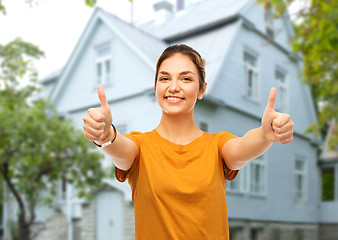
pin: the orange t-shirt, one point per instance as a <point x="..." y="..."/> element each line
<point x="178" y="191"/>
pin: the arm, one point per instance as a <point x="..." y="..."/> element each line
<point x="97" y="127"/>
<point x="276" y="127"/>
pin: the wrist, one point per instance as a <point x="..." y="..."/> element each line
<point x="108" y="138"/>
<point x="263" y="135"/>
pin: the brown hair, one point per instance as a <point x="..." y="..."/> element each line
<point x="187" y="51"/>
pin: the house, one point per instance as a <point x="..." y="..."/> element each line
<point x="276" y="195"/>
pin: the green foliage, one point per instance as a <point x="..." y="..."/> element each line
<point x="91" y="3"/>
<point x="316" y="39"/>
<point x="328" y="184"/>
<point x="13" y="230"/>
<point x="38" y="149"/>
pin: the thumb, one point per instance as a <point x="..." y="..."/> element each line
<point x="102" y="96"/>
<point x="272" y="99"/>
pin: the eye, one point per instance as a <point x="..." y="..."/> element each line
<point x="187" y="79"/>
<point x="164" y="79"/>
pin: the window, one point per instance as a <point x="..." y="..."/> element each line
<point x="255" y="234"/>
<point x="204" y="126"/>
<point x="328" y="186"/>
<point x="251" y="75"/>
<point x="276" y="234"/>
<point x="251" y="178"/>
<point x="281" y="101"/>
<point x="299" y="235"/>
<point x="300" y="180"/>
<point x="236" y="184"/>
<point x="235" y="233"/>
<point x="103" y="64"/>
<point x="257" y="175"/>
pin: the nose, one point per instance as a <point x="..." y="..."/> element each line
<point x="174" y="86"/>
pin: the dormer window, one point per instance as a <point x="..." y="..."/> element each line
<point x="103" y="64"/>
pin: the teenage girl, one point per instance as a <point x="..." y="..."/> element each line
<point x="177" y="172"/>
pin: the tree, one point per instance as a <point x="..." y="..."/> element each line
<point x="37" y="148"/>
<point x="89" y="3"/>
<point x="316" y="39"/>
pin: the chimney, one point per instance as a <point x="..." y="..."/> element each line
<point x="179" y="5"/>
<point x="163" y="10"/>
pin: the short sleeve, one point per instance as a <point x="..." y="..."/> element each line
<point x="224" y="137"/>
<point x="122" y="175"/>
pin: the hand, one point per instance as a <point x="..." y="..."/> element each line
<point x="277" y="127"/>
<point x="97" y="121"/>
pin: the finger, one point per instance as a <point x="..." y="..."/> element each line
<point x="88" y="121"/>
<point x="272" y="99"/>
<point x="97" y="115"/>
<point x="283" y="136"/>
<point x="91" y="137"/>
<point x="281" y="119"/>
<point x="102" y="96"/>
<point x="290" y="139"/>
<point x="283" y="129"/>
<point x="96" y="134"/>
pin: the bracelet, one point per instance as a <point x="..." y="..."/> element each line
<point x="107" y="143"/>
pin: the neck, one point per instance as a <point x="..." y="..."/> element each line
<point x="178" y="129"/>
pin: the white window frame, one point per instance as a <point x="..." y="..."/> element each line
<point x="282" y="88"/>
<point x="261" y="163"/>
<point x="105" y="79"/>
<point x="243" y="184"/>
<point x="300" y="194"/>
<point x="253" y="91"/>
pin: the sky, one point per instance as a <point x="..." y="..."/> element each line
<point x="56" y="25"/>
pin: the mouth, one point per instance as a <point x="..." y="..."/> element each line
<point x="173" y="99"/>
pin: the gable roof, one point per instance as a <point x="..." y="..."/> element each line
<point x="137" y="41"/>
<point x="149" y="45"/>
<point x="199" y="17"/>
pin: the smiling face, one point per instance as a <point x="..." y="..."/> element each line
<point x="177" y="86"/>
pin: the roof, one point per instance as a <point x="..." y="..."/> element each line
<point x="52" y="76"/>
<point x="199" y="16"/>
<point x="330" y="154"/>
<point x="213" y="47"/>
<point x="149" y="45"/>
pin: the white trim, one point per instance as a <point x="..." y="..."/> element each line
<point x="255" y="69"/>
<point x="284" y="86"/>
<point x="102" y="60"/>
<point x="244" y="178"/>
<point x="303" y="172"/>
<point x="262" y="185"/>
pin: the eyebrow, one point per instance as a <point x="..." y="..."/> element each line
<point x="182" y="73"/>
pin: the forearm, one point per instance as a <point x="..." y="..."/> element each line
<point x="246" y="148"/>
<point x="122" y="151"/>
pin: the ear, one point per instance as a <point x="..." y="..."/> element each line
<point x="202" y="91"/>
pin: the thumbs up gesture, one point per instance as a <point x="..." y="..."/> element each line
<point x="277" y="127"/>
<point x="98" y="121"/>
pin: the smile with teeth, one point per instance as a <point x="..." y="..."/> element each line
<point x="174" y="99"/>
